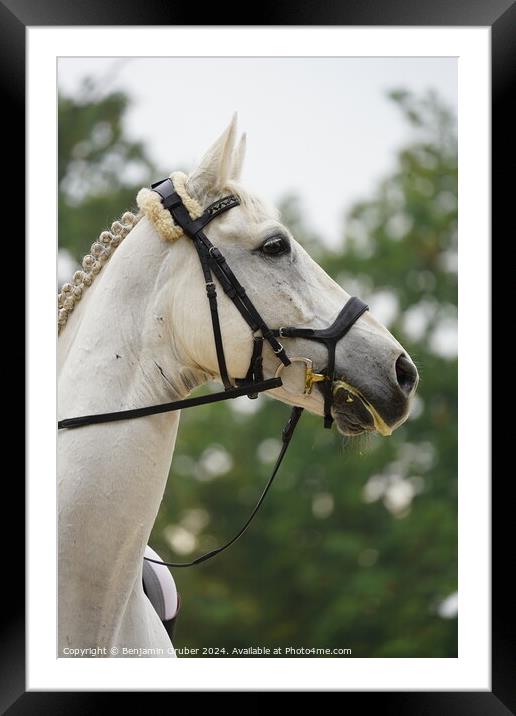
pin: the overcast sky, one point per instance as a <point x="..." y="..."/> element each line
<point x="319" y="127"/>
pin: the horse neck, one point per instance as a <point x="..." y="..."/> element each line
<point x="120" y="353"/>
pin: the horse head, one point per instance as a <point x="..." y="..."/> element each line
<point x="374" y="378"/>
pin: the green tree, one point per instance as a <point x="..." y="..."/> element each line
<point x="99" y="168"/>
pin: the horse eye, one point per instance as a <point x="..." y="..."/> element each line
<point x="275" y="246"/>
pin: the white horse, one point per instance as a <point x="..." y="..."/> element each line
<point x="141" y="335"/>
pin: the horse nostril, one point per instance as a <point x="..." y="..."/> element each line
<point x="406" y="374"/>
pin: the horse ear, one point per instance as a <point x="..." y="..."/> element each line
<point x="238" y="159"/>
<point x="216" y="165"/>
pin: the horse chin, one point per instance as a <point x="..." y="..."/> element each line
<point x="353" y="421"/>
<point x="351" y="415"/>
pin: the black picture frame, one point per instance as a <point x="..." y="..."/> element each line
<point x="500" y="16"/>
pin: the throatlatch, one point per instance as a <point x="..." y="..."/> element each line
<point x="214" y="264"/>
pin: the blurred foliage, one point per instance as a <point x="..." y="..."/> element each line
<point x="356" y="546"/>
<point x="99" y="169"/>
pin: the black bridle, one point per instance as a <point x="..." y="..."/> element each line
<point x="214" y="265"/>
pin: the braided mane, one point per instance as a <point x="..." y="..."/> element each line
<point x="100" y="251"/>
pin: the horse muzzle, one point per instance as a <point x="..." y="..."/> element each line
<point x="354" y="410"/>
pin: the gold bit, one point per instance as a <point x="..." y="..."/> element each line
<point x="311" y="378"/>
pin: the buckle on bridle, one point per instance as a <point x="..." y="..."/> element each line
<point x="215" y="254"/>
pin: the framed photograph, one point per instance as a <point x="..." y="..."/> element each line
<point x="268" y="243"/>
